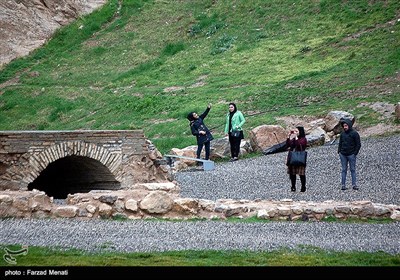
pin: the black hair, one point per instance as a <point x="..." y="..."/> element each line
<point x="190" y="116"/>
<point x="302" y="132"/>
<point x="234" y="105"/>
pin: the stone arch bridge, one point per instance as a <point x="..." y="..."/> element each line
<point x="62" y="162"/>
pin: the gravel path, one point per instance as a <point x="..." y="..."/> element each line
<point x="263" y="177"/>
<point x="145" y="236"/>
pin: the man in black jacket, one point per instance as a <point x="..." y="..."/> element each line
<point x="349" y="146"/>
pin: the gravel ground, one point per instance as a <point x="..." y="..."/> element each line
<point x="263" y="177"/>
<point x="146" y="236"/>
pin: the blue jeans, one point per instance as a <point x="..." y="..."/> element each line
<point x="351" y="161"/>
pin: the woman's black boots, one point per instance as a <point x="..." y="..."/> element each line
<point x="293" y="181"/>
<point x="303" y="183"/>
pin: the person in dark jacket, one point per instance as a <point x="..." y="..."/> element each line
<point x="200" y="130"/>
<point x="349" y="146"/>
<point x="297" y="141"/>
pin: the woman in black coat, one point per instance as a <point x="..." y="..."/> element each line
<point x="297" y="141"/>
<point x="200" y="130"/>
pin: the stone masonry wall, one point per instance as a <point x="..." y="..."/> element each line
<point x="129" y="156"/>
<point x="162" y="200"/>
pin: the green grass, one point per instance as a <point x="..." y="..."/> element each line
<point x="148" y="65"/>
<point x="301" y="256"/>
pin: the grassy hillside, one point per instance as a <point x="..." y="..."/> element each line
<point x="146" y="64"/>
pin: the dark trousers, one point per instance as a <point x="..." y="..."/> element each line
<point x="302" y="180"/>
<point x="235" y="145"/>
<point x="206" y="148"/>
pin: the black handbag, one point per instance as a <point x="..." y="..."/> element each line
<point x="297" y="158"/>
<point x="235" y="133"/>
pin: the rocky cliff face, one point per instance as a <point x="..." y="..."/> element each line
<point x="27" y="24"/>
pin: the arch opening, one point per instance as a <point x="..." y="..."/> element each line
<point x="73" y="174"/>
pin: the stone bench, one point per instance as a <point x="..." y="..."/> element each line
<point x="207" y="164"/>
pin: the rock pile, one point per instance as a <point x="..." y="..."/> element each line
<point x="162" y="200"/>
